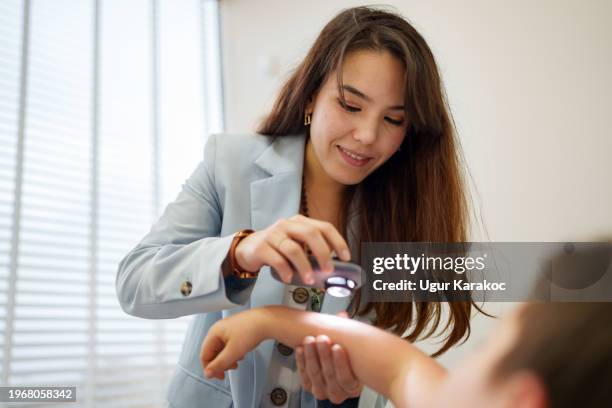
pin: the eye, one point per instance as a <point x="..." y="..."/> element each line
<point x="348" y="108"/>
<point x="394" y="122"/>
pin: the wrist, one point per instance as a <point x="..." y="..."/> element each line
<point x="239" y="260"/>
<point x="269" y="319"/>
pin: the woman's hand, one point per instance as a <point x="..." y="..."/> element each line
<point x="281" y="247"/>
<point x="229" y="339"/>
<point x="325" y="370"/>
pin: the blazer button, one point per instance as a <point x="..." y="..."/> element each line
<point x="284" y="349"/>
<point x="278" y="396"/>
<point x="300" y="295"/>
<point x="186" y="288"/>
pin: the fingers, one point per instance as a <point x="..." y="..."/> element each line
<point x="334" y="391"/>
<point x="313" y="368"/>
<point x="310" y="233"/>
<point x="344" y="373"/>
<point x="325" y="374"/>
<point x="282" y="247"/>
<point x="291" y="251"/>
<point x="280" y="264"/>
<point x="211" y="347"/>
<point x="320" y="236"/>
<point x="301" y="365"/>
<point x="333" y="237"/>
<point x="219" y="374"/>
<point x="296" y="255"/>
<point x="217" y="357"/>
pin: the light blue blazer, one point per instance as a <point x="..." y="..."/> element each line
<point x="244" y="181"/>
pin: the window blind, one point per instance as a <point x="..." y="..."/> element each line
<point x="104" y="111"/>
<point x="10" y="56"/>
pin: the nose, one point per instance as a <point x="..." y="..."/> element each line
<point x="366" y="132"/>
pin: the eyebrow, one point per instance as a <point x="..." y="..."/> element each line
<point x="361" y="95"/>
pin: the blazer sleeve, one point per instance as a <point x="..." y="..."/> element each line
<point x="182" y="247"/>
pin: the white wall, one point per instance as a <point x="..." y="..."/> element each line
<point x="528" y="83"/>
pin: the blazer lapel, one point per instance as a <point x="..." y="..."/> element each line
<point x="274" y="197"/>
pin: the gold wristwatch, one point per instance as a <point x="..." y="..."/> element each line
<point x="236" y="269"/>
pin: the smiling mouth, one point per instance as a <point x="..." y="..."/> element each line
<point x="352" y="158"/>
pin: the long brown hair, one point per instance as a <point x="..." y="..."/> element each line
<point x="418" y="194"/>
<point x="569" y="347"/>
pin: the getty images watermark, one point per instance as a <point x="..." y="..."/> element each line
<point x="479" y="271"/>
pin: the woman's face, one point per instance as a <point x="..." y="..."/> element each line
<point x="351" y="141"/>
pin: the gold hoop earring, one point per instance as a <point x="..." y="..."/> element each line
<point x="307" y="119"/>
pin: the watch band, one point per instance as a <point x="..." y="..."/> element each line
<point x="236" y="269"/>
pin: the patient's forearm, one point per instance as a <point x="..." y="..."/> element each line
<point x="382" y="361"/>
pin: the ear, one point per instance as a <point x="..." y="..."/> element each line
<point x="310" y="104"/>
<point x="527" y="390"/>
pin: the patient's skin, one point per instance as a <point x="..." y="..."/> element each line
<point x="383" y="361"/>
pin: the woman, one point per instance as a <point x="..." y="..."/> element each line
<point x="553" y="355"/>
<point x="359" y="146"/>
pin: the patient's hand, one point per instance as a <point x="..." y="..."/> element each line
<point x="228" y="341"/>
<point x="326" y="370"/>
